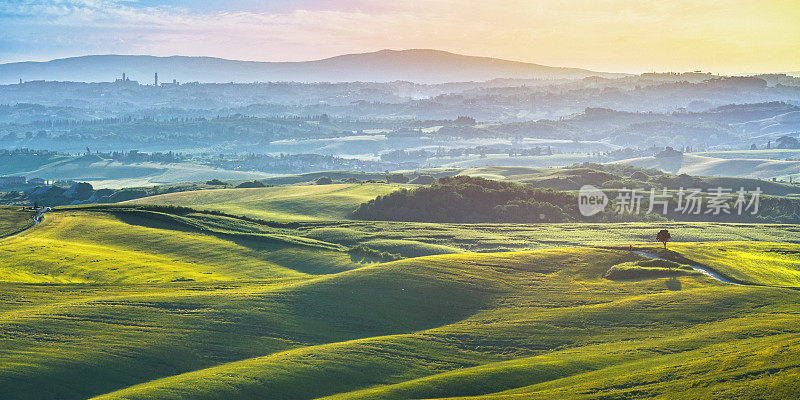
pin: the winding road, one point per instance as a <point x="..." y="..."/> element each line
<point x="37" y="219"/>
<point x="702" y="270"/>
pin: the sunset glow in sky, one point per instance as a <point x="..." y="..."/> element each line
<point x="723" y="36"/>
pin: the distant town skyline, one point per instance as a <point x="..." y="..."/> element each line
<point x="725" y="36"/>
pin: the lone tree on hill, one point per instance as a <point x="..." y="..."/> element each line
<point x="663" y="237"/>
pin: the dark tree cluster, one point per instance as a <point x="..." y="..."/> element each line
<point x="471" y="199"/>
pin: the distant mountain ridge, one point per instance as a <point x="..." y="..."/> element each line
<point x="419" y="65"/>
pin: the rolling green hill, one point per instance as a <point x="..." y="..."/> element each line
<point x="764" y="154"/>
<point x="138" y="301"/>
<point x="83" y="247"/>
<point x="772" y="264"/>
<point x="20" y="164"/>
<point x="103" y="173"/>
<point x="711" y="166"/>
<point x="285" y="203"/>
<point x="321" y="212"/>
<point x="14" y="219"/>
<point x="452" y="325"/>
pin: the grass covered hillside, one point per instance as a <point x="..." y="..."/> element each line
<point x="771" y="264"/>
<point x="538" y="323"/>
<point x="131" y="246"/>
<point x="285" y="203"/>
<point x="269" y="293"/>
<point x="543" y="323"/>
<point x="14" y="219"/>
<point x="755" y="167"/>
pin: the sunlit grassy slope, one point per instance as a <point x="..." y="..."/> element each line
<point x="502" y="237"/>
<point x="76" y="246"/>
<point x="283" y="203"/>
<point x="775" y="264"/>
<point x="537" y="323"/>
<point x="14" y="219"/>
<point x="321" y="211"/>
<point x="125" y="302"/>
<point x="122" y="319"/>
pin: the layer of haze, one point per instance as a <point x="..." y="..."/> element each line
<point x="725" y="36"/>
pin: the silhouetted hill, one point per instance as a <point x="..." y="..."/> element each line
<point x="424" y="66"/>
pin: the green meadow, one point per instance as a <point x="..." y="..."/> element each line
<point x="257" y="294"/>
<point x="281" y="203"/>
<point x="14" y="219"/>
<point x="771" y="264"/>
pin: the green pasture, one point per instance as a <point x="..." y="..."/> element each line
<point x="136" y="301"/>
<point x="538" y="323"/>
<point x="283" y="203"/>
<point x="14" y="219"/>
<point x="762" y="263"/>
<point x="82" y="247"/>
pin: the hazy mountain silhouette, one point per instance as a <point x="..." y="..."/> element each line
<point x="423" y="66"/>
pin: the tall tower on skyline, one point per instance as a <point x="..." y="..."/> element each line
<point x="155" y="79"/>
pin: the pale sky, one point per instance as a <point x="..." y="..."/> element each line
<point x="721" y="36"/>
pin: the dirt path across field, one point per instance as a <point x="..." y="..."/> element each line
<point x="702" y="270"/>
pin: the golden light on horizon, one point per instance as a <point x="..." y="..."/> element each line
<point x="636" y="36"/>
<point x="724" y="36"/>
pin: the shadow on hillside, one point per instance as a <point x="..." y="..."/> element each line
<point x="673" y="284"/>
<point x="303" y="258"/>
<point x="363" y="259"/>
<point x="670" y="164"/>
<point x="150" y="221"/>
